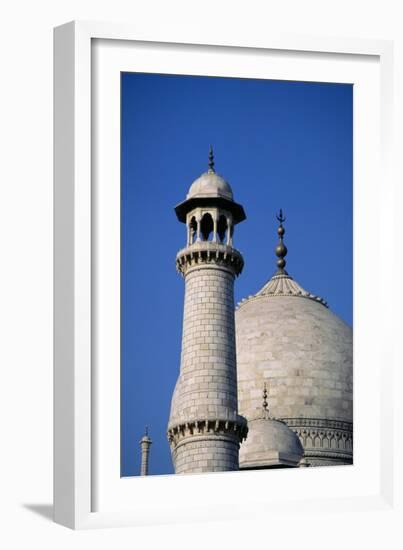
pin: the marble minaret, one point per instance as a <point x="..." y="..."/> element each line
<point x="145" y="444"/>
<point x="205" y="430"/>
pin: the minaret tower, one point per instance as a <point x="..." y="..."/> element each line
<point x="145" y="444"/>
<point x="204" y="429"/>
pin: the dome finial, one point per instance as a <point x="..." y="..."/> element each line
<point x="266" y="412"/>
<point x="265" y="403"/>
<point x="281" y="249"/>
<point x="281" y="218"/>
<point x="211" y="160"/>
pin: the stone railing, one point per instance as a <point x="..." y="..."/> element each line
<point x="207" y="252"/>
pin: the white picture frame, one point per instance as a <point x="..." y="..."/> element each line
<point x="88" y="490"/>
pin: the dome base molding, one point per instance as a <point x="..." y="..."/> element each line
<point x="325" y="441"/>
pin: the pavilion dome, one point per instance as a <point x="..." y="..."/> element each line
<point x="210" y="190"/>
<point x="210" y="184"/>
<point x="270" y="443"/>
<point x="288" y="338"/>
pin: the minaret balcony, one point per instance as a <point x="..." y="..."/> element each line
<point x="207" y="253"/>
<point x="235" y="424"/>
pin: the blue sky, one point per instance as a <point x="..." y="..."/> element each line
<point x="280" y="145"/>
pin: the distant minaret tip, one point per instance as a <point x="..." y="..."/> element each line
<point x="145" y="444"/>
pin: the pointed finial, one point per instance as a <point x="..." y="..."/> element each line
<point x="281" y="218"/>
<point x="146" y="431"/>
<point x="211" y="160"/>
<point x="281" y="249"/>
<point x="265" y="404"/>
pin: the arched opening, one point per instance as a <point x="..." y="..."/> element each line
<point x="207" y="227"/>
<point x="222" y="228"/>
<point x="192" y="230"/>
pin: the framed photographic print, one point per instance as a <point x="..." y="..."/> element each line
<point x="218" y="220"/>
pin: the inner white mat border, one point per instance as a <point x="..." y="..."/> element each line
<point x="161" y="496"/>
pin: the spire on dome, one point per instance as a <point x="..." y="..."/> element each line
<point x="281" y="283"/>
<point x="281" y="249"/>
<point x="265" y="404"/>
<point x="211" y="160"/>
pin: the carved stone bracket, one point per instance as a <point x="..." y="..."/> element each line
<point x="213" y="426"/>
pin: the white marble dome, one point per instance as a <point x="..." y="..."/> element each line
<point x="290" y="340"/>
<point x="270" y="443"/>
<point x="210" y="184"/>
